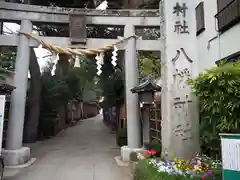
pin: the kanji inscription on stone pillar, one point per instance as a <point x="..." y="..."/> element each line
<point x="181" y="25"/>
<point x="183" y="125"/>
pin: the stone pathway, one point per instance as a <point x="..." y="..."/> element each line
<point x="83" y="152"/>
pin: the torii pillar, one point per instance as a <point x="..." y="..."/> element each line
<point x="15" y="153"/>
<point x="132" y="101"/>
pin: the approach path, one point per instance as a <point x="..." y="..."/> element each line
<point x="82" y="152"/>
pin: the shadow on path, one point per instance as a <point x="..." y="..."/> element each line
<point x="82" y="152"/>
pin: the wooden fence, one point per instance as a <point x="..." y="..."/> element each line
<point x="155" y="122"/>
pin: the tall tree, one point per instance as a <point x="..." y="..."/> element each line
<point x="33" y="101"/>
<point x="150" y="65"/>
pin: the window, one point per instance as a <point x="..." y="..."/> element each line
<point x="200" y="18"/>
<point x="221" y="4"/>
<point x="228" y="14"/>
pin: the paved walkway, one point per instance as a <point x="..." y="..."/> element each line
<point x="83" y="152"/>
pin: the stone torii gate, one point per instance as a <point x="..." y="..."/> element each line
<point x="178" y="55"/>
<point x="15" y="153"/>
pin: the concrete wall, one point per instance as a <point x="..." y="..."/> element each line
<point x="75" y="112"/>
<point x="90" y="110"/>
<point x="209" y="51"/>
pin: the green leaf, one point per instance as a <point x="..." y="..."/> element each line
<point x="218" y="90"/>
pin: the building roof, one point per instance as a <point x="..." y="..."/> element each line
<point x="147" y="85"/>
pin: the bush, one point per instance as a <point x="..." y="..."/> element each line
<point x="146" y="171"/>
<point x="218" y="90"/>
<point x="157" y="146"/>
<point x="48" y="128"/>
<point x="134" y="157"/>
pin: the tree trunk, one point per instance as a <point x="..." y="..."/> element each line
<point x="34" y="98"/>
<point x="63" y="67"/>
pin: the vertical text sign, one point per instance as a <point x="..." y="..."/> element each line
<point x="181" y="26"/>
<point x="77" y="27"/>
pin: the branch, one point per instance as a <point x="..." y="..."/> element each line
<point x="9" y="29"/>
<point x="8" y="33"/>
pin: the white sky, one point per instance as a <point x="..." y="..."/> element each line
<point x="40" y="52"/>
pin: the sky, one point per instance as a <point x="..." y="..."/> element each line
<point x="40" y="52"/>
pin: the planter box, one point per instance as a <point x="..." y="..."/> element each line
<point x="230" y="156"/>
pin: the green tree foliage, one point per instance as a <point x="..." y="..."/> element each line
<point x="111" y="80"/>
<point x="218" y="90"/>
<point x="54" y="92"/>
<point x="7" y="61"/>
<point x="150" y="65"/>
<point x="58" y="90"/>
<point x="71" y="85"/>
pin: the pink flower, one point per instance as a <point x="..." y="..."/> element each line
<point x="147" y="151"/>
<point x="146" y="154"/>
<point x="153" y="152"/>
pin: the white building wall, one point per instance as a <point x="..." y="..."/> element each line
<point x="209" y="51"/>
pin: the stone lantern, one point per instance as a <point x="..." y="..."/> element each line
<point x="6" y="89"/>
<point x="146" y="92"/>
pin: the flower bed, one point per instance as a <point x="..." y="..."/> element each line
<point x="199" y="167"/>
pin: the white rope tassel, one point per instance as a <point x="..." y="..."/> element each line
<point x="114" y="56"/>
<point x="99" y="63"/>
<point x="55" y="59"/>
<point x="40" y="46"/>
<point x="77" y="62"/>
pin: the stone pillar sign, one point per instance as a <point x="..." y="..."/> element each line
<point x="180" y="111"/>
<point x="184" y="113"/>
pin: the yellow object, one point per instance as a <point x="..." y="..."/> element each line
<point x="74" y="52"/>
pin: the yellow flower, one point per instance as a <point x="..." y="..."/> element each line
<point x="198" y="168"/>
